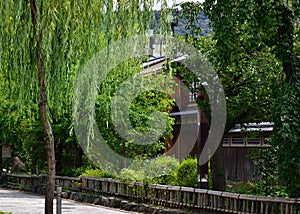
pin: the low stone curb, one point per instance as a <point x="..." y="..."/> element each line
<point x="121" y="204"/>
<point x="111" y="202"/>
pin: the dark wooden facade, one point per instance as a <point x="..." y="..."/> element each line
<point x="237" y="143"/>
<point x="238" y="165"/>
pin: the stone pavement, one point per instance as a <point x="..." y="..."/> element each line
<point x="20" y="202"/>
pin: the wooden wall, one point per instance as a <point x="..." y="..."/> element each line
<point x="238" y="166"/>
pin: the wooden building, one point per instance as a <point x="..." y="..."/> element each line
<point x="238" y="143"/>
<point x="191" y="130"/>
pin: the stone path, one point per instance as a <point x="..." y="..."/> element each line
<point x="20" y="202"/>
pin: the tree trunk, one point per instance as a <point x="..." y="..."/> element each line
<point x="203" y="169"/>
<point x="50" y="153"/>
<point x="48" y="132"/>
<point x="59" y="155"/>
<point x="78" y="152"/>
<point x="218" y="169"/>
<point x="33" y="166"/>
<point x="1" y="169"/>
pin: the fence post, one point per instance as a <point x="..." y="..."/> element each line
<point x="58" y="200"/>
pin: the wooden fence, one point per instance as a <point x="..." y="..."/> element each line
<point x="168" y="196"/>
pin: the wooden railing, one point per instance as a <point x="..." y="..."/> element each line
<point x="163" y="195"/>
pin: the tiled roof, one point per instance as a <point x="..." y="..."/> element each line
<point x="264" y="126"/>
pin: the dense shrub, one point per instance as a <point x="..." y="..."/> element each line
<point x="186" y="173"/>
<point x="161" y="170"/>
<point x="97" y="173"/>
<point x="256" y="188"/>
<point x="72" y="172"/>
<point x="150" y="171"/>
<point x="269" y="183"/>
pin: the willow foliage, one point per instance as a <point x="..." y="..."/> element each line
<point x="69" y="33"/>
<point x="43" y="45"/>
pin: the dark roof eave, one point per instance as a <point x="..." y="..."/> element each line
<point x="185" y="113"/>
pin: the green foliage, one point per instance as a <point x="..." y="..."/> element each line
<point x="161" y="170"/>
<point x="31" y="147"/>
<point x="141" y="110"/>
<point x="287" y="138"/>
<point x="249" y="77"/>
<point x="243" y="29"/>
<point x="158" y="170"/>
<point x="190" y="13"/>
<point x="73" y="171"/>
<point x="269" y="184"/>
<point x="256" y="188"/>
<point x="97" y="173"/>
<point x="69" y="34"/>
<point x="186" y="173"/>
<point x="241" y="188"/>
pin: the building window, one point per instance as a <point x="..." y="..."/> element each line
<point x="254" y="141"/>
<point x="225" y="141"/>
<point x="194" y="91"/>
<point x="238" y="141"/>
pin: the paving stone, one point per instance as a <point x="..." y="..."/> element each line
<point x="24" y="203"/>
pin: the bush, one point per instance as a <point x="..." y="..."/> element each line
<point x="267" y="163"/>
<point x="243" y="187"/>
<point x="71" y="172"/>
<point x="128" y="174"/>
<point x="186" y="173"/>
<point x="163" y="170"/>
<point x="150" y="171"/>
<point x="256" y="188"/>
<point x="97" y="173"/>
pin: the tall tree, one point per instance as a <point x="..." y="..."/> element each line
<point x="43" y="44"/>
<point x="273" y="25"/>
<point x="43" y="109"/>
<point x="248" y="75"/>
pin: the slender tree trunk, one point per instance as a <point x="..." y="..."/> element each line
<point x="202" y="170"/>
<point x="78" y="152"/>
<point x="218" y="169"/>
<point x="33" y="166"/>
<point x="50" y="153"/>
<point x="48" y="132"/>
<point x="59" y="155"/>
<point x="1" y="169"/>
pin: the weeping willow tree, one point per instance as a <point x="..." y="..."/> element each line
<point x="44" y="43"/>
